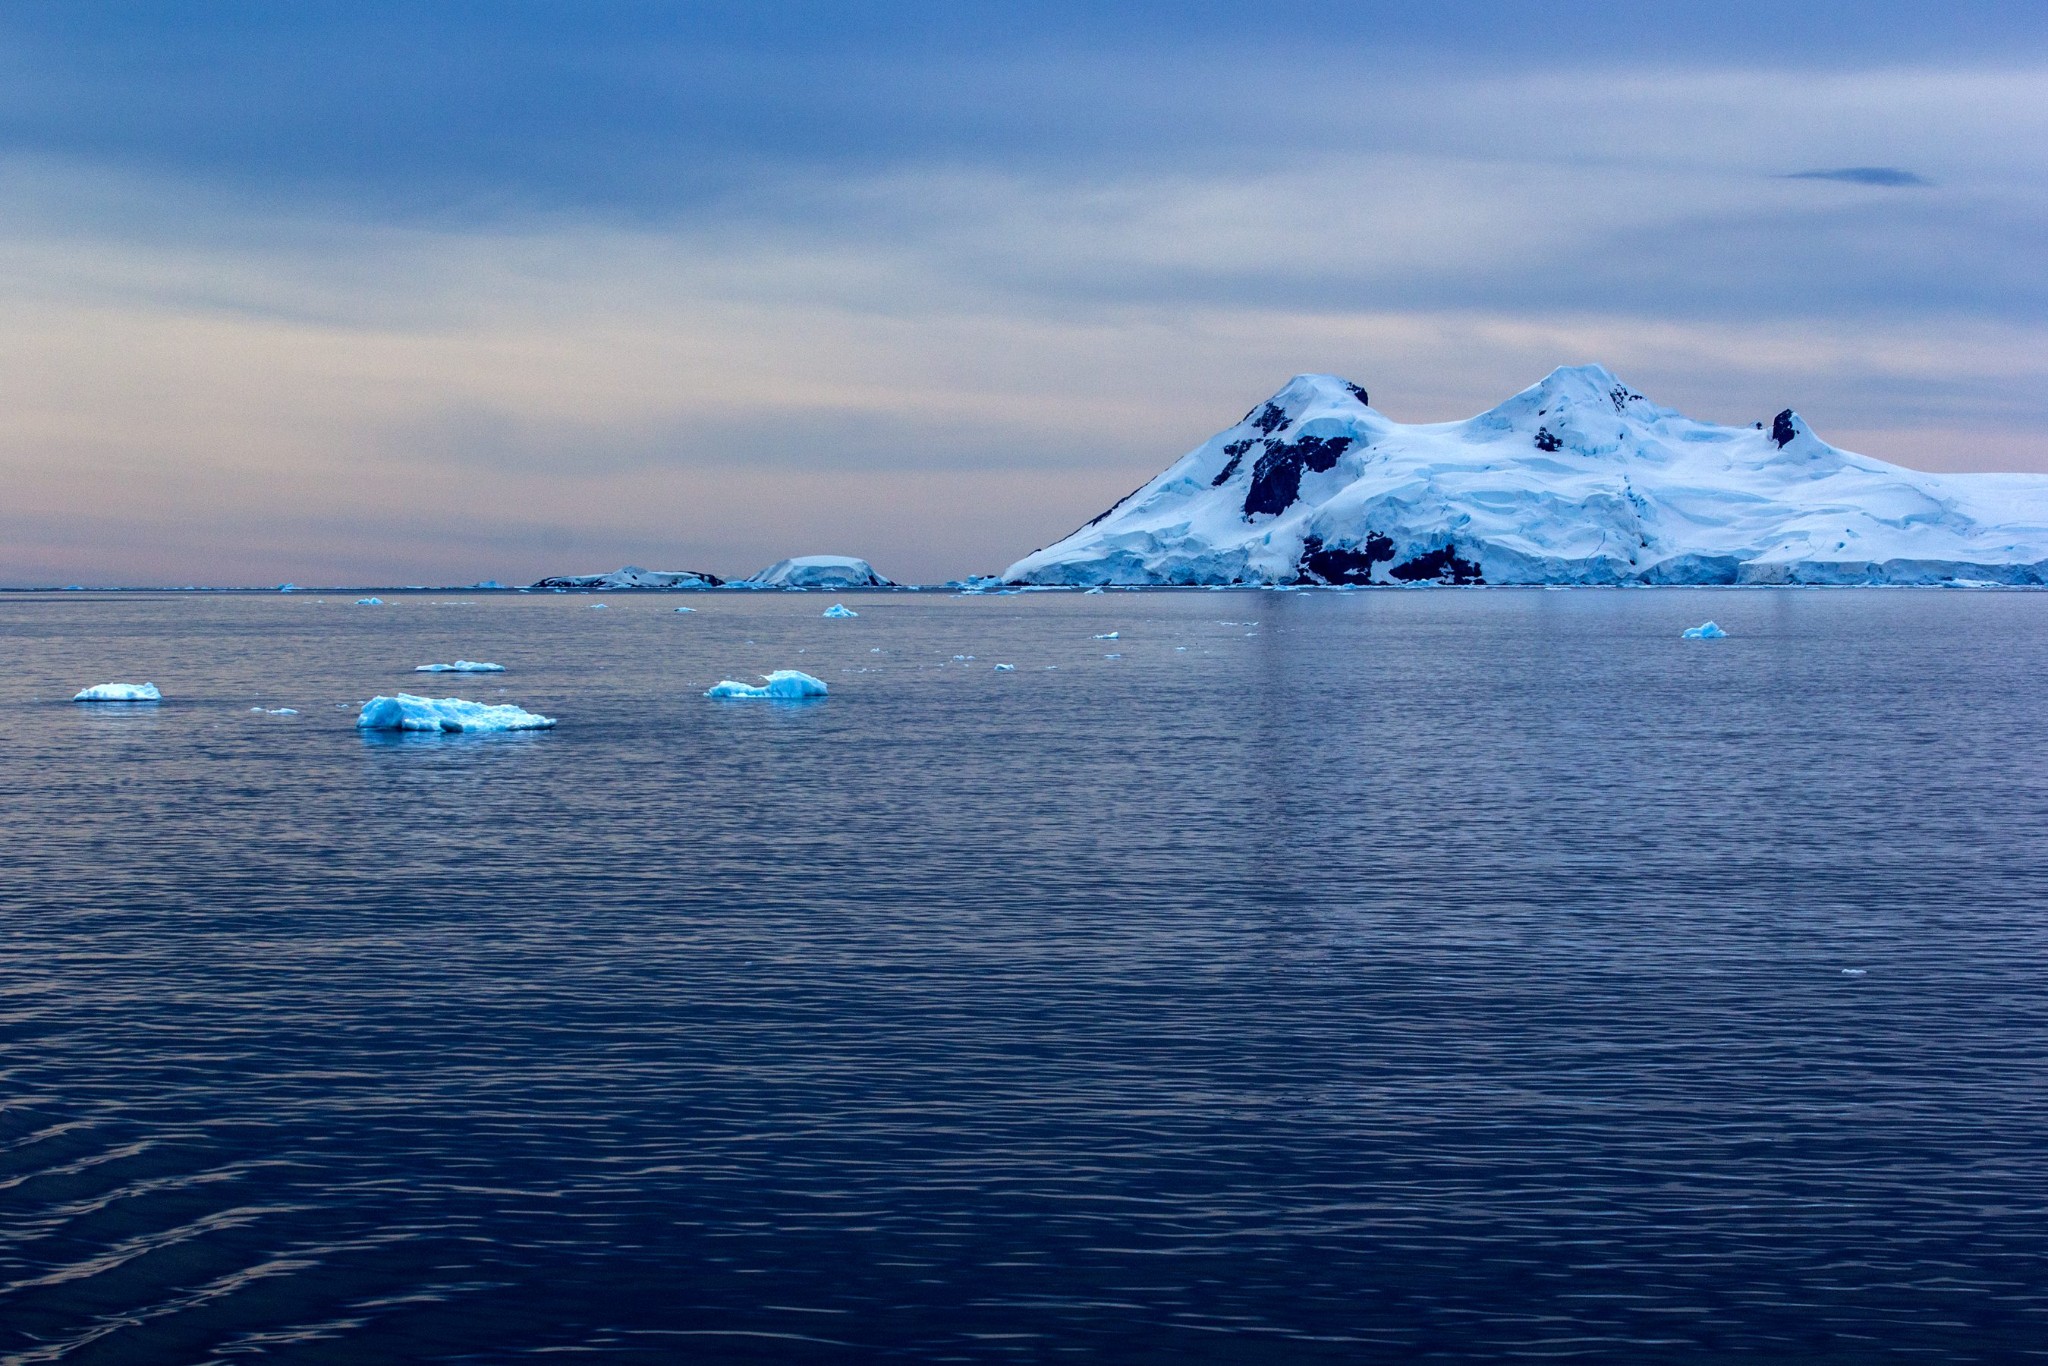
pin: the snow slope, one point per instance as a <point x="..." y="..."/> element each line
<point x="632" y="576"/>
<point x="818" y="571"/>
<point x="1575" y="480"/>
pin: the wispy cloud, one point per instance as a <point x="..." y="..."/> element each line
<point x="1888" y="176"/>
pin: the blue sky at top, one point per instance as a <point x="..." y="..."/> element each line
<point x="710" y="284"/>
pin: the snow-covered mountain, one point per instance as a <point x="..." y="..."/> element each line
<point x="1578" y="479"/>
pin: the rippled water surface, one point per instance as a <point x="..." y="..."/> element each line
<point x="1354" y="977"/>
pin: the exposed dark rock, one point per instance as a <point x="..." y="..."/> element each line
<point x="1358" y="394"/>
<point x="1276" y="479"/>
<point x="1547" y="441"/>
<point x="1782" y="430"/>
<point x="1438" y="564"/>
<point x="1343" y="563"/>
<point x="1271" y="418"/>
<point x="1620" y="395"/>
<point x="1235" y="450"/>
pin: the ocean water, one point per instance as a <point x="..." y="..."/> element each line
<point x="1328" y="977"/>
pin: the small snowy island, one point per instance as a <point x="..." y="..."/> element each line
<point x="633" y="576"/>
<point x="818" y="571"/>
<point x="1576" y="480"/>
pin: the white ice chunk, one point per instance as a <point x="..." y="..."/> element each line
<point x="783" y="683"/>
<point x="406" y="712"/>
<point x="1109" y="635"/>
<point x="838" y="610"/>
<point x="686" y="609"/>
<point x="369" y="602"/>
<point x="460" y="666"/>
<point x="119" y="692"/>
<point x="276" y="711"/>
<point x="1704" y="631"/>
<point x="1005" y="668"/>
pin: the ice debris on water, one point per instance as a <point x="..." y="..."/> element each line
<point x="460" y="666"/>
<point x="407" y="712"/>
<point x="1704" y="631"/>
<point x="686" y="609"/>
<point x="119" y="692"/>
<point x="1852" y="972"/>
<point x="1109" y="635"/>
<point x="369" y="602"/>
<point x="600" y="606"/>
<point x="1092" y="590"/>
<point x="782" y="683"/>
<point x="1005" y="668"/>
<point x="276" y="711"/>
<point x="838" y="609"/>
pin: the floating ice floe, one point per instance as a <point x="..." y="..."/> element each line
<point x="783" y="683"/>
<point x="686" y="609"/>
<point x="276" y="711"/>
<point x="406" y="712"/>
<point x="1005" y="668"/>
<point x="1109" y="635"/>
<point x="838" y="609"/>
<point x="369" y="602"/>
<point x="119" y="692"/>
<point x="1704" y="631"/>
<point x="460" y="666"/>
<point x="600" y="606"/>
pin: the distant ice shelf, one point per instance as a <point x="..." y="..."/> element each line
<point x="407" y="712"/>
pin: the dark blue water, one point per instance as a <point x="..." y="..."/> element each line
<point x="1405" y="976"/>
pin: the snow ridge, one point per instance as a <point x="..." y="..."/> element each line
<point x="1577" y="479"/>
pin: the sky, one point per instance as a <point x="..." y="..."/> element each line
<point x="375" y="293"/>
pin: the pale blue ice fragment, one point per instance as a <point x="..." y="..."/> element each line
<point x="783" y="683"/>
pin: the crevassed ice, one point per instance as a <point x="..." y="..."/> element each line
<point x="783" y="683"/>
<point x="460" y="666"/>
<point x="119" y="692"/>
<point x="407" y="712"/>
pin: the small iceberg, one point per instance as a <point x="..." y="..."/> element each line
<point x="1109" y="635"/>
<point x="460" y="666"/>
<point x="406" y="712"/>
<point x="1091" y="591"/>
<point x="1704" y="631"/>
<point x="369" y="602"/>
<point x="839" y="609"/>
<point x="600" y="606"/>
<point x="1006" y="668"/>
<point x="119" y="692"/>
<point x="276" y="711"/>
<point x="686" y="609"/>
<point x="783" y="683"/>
